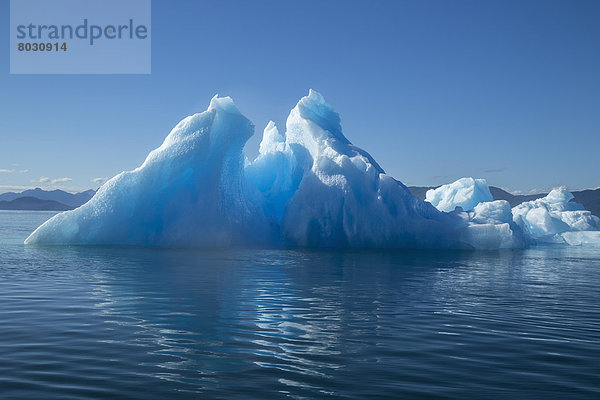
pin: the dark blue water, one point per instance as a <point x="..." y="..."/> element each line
<point x="141" y="323"/>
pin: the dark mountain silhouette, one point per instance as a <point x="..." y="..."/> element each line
<point x="32" y="203"/>
<point x="73" y="200"/>
<point x="590" y="199"/>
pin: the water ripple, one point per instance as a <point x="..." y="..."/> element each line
<point x="142" y="323"/>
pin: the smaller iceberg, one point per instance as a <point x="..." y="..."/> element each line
<point x="552" y="218"/>
<point x="493" y="224"/>
<point x="465" y="193"/>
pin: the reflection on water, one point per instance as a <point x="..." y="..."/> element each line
<point x="150" y="323"/>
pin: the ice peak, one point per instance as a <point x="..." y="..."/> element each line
<point x="272" y="140"/>
<point x="465" y="193"/>
<point x="314" y="108"/>
<point x="225" y="104"/>
<point x="559" y="195"/>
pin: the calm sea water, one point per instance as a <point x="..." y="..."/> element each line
<point x="79" y="322"/>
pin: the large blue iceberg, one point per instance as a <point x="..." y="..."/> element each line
<point x="308" y="187"/>
<point x="188" y="192"/>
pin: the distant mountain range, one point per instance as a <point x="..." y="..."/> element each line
<point x="39" y="199"/>
<point x="31" y="203"/>
<point x="590" y="198"/>
<point x="59" y="200"/>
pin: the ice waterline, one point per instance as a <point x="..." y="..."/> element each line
<point x="308" y="187"/>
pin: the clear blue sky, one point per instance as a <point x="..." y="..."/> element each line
<point x="434" y="90"/>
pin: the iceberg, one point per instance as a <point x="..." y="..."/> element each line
<point x="552" y="219"/>
<point x="489" y="223"/>
<point x="465" y="193"/>
<point x="309" y="186"/>
<point x="555" y="218"/>
<point x="188" y="192"/>
<point x="325" y="192"/>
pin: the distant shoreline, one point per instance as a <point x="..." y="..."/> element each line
<point x="43" y="200"/>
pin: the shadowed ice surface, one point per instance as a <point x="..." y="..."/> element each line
<point x="86" y="322"/>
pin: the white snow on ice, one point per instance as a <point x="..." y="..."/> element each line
<point x="465" y="193"/>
